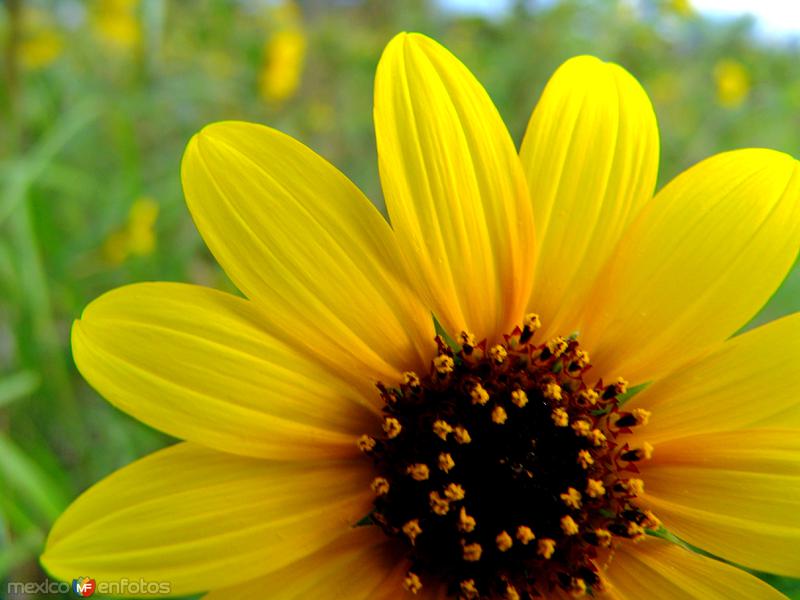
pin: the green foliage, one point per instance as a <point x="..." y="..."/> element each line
<point x="97" y="106"/>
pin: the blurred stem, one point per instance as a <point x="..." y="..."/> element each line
<point x="153" y="17"/>
<point x="34" y="289"/>
<point x="11" y="72"/>
<point x="44" y="349"/>
<point x="18" y="553"/>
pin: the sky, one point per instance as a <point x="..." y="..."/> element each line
<point x="779" y="17"/>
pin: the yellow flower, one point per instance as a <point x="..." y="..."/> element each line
<point x="270" y="495"/>
<point x="138" y="237"/>
<point x="682" y="8"/>
<point x="116" y="23"/>
<point x="284" y="56"/>
<point x="732" y="83"/>
<point x="40" y="49"/>
<point x="41" y="43"/>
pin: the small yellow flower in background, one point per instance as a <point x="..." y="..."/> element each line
<point x="116" y="22"/>
<point x="138" y="237"/>
<point x="284" y="55"/>
<point x="40" y="49"/>
<point x="732" y="83"/>
<point x="682" y="8"/>
<point x="327" y="376"/>
<point x="141" y="226"/>
<point x="42" y="42"/>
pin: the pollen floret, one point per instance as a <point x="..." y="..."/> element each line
<point x="412" y="583"/>
<point x="505" y="468"/>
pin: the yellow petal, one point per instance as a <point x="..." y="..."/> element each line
<point x="699" y="261"/>
<point x="197" y="364"/>
<point x="590" y="155"/>
<point x="198" y="519"/>
<point x="659" y="570"/>
<point x="358" y="565"/>
<point x="749" y="381"/>
<point x="301" y="241"/>
<point x="454" y="188"/>
<point x="735" y="494"/>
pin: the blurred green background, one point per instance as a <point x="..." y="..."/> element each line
<point x="99" y="98"/>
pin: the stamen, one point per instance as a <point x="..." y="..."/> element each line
<point x="446" y="462"/>
<point x="512" y="593"/>
<point x="549" y="456"/>
<point x="585" y="459"/>
<point x="442" y="429"/>
<point x="366" y="443"/>
<point x="577" y="587"/>
<point x="454" y="492"/>
<point x="532" y="322"/>
<point x="519" y="398"/>
<point x="498" y="354"/>
<point x="479" y="395"/>
<point x="603" y="537"/>
<point x="443" y="364"/>
<point x="587" y="398"/>
<point x="632" y="487"/>
<point x="461" y="435"/>
<point x="560" y="417"/>
<point x="651" y="521"/>
<point x="556" y="347"/>
<point x="552" y="391"/>
<point x="472" y="552"/>
<point x="525" y="535"/>
<point x="412" y="380"/>
<point x="499" y="415"/>
<point x="616" y="389"/>
<point x="465" y="522"/>
<point x="412" y="583"/>
<point x="392" y="427"/>
<point x="419" y="471"/>
<point x="568" y="525"/>
<point x="582" y="427"/>
<point x="412" y="529"/>
<point x="596" y="437"/>
<point x="595" y="488"/>
<point x="572" y="498"/>
<point x="645" y="452"/>
<point x="546" y="548"/>
<point x="468" y="342"/>
<point x="439" y="505"/>
<point x="580" y="361"/>
<point x="468" y="590"/>
<point x="504" y="541"/>
<point x="380" y="485"/>
<point x="642" y="416"/>
<point x="636" y="532"/>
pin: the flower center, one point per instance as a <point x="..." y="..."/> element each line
<point x="504" y="472"/>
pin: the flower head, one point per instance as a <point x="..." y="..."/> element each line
<point x="334" y="442"/>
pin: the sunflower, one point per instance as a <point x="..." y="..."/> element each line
<point x="334" y="446"/>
